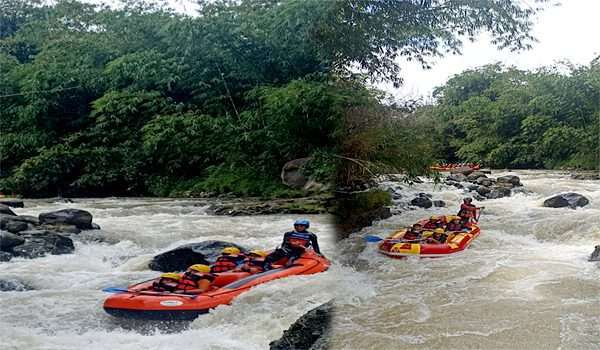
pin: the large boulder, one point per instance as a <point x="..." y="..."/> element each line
<point x="458" y="177"/>
<point x="595" y="254"/>
<point x="484" y="181"/>
<point x="9" y="240"/>
<point x="308" y="332"/>
<point x="571" y="200"/>
<point x="182" y="257"/>
<point x="475" y="175"/>
<point x="482" y="190"/>
<point x="513" y="180"/>
<point x="14" y="203"/>
<point x="465" y="170"/>
<point x="292" y="173"/>
<point x="4" y="209"/>
<point x="40" y="242"/>
<point x="422" y="201"/>
<point x="16" y="226"/>
<point x="77" y="217"/>
<point x="498" y="192"/>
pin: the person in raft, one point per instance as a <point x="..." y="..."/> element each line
<point x="254" y="262"/>
<point x="413" y="233"/>
<point x="196" y="279"/>
<point x="437" y="237"/>
<point x="294" y="243"/>
<point x="167" y="282"/>
<point x="468" y="211"/>
<point x="455" y="225"/>
<point x="230" y="258"/>
<point x="435" y="222"/>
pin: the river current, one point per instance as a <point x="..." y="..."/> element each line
<point x="64" y="311"/>
<point x="524" y="283"/>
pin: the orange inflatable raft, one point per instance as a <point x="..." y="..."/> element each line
<point x="449" y="167"/>
<point x="139" y="301"/>
<point x="394" y="246"/>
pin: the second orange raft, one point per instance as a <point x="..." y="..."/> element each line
<point x="393" y="246"/>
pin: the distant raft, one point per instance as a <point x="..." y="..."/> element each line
<point x="449" y="167"/>
<point x="394" y="246"/>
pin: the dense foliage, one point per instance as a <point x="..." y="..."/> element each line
<point x="137" y="99"/>
<point x="504" y="117"/>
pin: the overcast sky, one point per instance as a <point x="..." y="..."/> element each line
<point x="570" y="31"/>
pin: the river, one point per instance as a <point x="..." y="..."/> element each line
<point x="525" y="283"/>
<point x="64" y="311"/>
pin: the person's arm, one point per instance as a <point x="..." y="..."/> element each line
<point x="203" y="286"/>
<point x="314" y="243"/>
<point x="285" y="236"/>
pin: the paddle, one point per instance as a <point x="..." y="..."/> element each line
<point x="121" y="290"/>
<point x="375" y="239"/>
<point x="479" y="214"/>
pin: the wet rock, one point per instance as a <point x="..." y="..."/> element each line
<point x="583" y="176"/>
<point x="498" y="192"/>
<point x="479" y="197"/>
<point x="484" y="181"/>
<point x="15" y="226"/>
<point x="482" y="190"/>
<point x="292" y="173"/>
<point x="439" y="204"/>
<point x="9" y="240"/>
<point x="423" y="194"/>
<point x="422" y="202"/>
<point x="459" y="177"/>
<point x="40" y="242"/>
<point x="571" y="200"/>
<point x="77" y="217"/>
<point x="462" y="170"/>
<point x="514" y="180"/>
<point x="522" y="190"/>
<point x="475" y="175"/>
<point x="95" y="226"/>
<point x="595" y="254"/>
<point x="4" y="209"/>
<point x="13" y="286"/>
<point x="13" y="203"/>
<point x="308" y="332"/>
<point x="4" y="256"/>
<point x="472" y="187"/>
<point x="182" y="257"/>
<point x="68" y="229"/>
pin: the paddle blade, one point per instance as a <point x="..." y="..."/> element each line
<point x="372" y="239"/>
<point x="114" y="290"/>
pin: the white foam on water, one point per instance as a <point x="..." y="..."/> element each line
<point x="65" y="309"/>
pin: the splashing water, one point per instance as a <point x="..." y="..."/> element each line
<point x="64" y="311"/>
<point x="524" y="283"/>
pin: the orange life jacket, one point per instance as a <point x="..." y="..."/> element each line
<point x="165" y="285"/>
<point x="190" y="280"/>
<point x="254" y="265"/>
<point x="225" y="263"/>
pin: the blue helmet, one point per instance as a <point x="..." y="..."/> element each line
<point x="302" y="222"/>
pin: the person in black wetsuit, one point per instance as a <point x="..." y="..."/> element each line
<point x="294" y="244"/>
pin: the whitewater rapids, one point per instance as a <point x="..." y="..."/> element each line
<point x="64" y="311"/>
<point x="525" y="283"/>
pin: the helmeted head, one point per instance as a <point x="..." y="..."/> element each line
<point x="417" y="226"/>
<point x="456" y="220"/>
<point x="171" y="275"/>
<point x="468" y="200"/>
<point x="230" y="251"/>
<point x="257" y="253"/>
<point x="438" y="231"/>
<point x="200" y="268"/>
<point x="302" y="222"/>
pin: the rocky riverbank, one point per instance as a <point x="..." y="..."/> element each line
<point x="48" y="233"/>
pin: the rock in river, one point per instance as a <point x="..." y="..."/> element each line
<point x="182" y="257"/>
<point x="77" y="217"/>
<point x="40" y="242"/>
<point x="308" y="332"/>
<point x="571" y="200"/>
<point x="9" y="240"/>
<point x="595" y="254"/>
